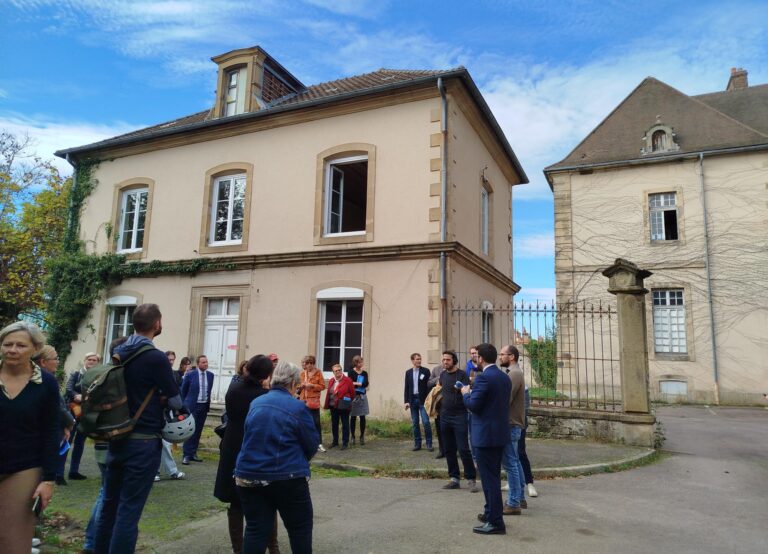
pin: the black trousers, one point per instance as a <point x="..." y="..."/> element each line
<point x="343" y="416"/>
<point x="454" y="431"/>
<point x="524" y="459"/>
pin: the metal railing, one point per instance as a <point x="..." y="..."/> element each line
<point x="566" y="352"/>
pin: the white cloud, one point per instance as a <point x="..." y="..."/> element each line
<point x="541" y="245"/>
<point x="358" y="8"/>
<point x="49" y="136"/>
<point x="532" y="295"/>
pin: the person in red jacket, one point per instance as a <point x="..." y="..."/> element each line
<point x="341" y="392"/>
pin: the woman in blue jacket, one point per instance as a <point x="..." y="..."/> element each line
<point x="272" y="471"/>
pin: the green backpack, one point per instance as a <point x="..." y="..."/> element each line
<point x="105" y="414"/>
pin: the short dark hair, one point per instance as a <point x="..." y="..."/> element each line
<point x="513" y="351"/>
<point x="170" y="353"/>
<point x="115" y="343"/>
<point x="452" y="354"/>
<point x="145" y="316"/>
<point x="487" y="352"/>
<point x="184" y="361"/>
<point x="197" y="360"/>
<point x="414" y="355"/>
<point x="258" y="368"/>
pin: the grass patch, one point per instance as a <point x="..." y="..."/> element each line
<point x="320" y="472"/>
<point x="543" y="393"/>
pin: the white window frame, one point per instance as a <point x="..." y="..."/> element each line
<point x="329" y="191"/>
<point x="658" y="203"/>
<point x="486" y="322"/>
<point x="124" y="195"/>
<point x="323" y="300"/>
<point x="230" y="209"/>
<point x="234" y="97"/>
<point x="485" y="201"/>
<point x="224" y="315"/>
<point x="114" y="305"/>
<point x="669" y="321"/>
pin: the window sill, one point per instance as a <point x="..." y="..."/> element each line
<point x="224" y="247"/>
<point x="671" y="357"/>
<point x="664" y="242"/>
<point x="344" y="238"/>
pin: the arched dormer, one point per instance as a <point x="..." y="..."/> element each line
<point x="659" y="138"/>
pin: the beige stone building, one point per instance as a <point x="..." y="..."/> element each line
<point x="350" y="214"/>
<point x="677" y="184"/>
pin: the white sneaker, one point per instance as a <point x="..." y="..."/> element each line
<point x="35" y="551"/>
<point x="178" y="476"/>
<point x="505" y="488"/>
<point x="35" y="542"/>
<point x="532" y="490"/>
<point x="321" y="448"/>
<point x="157" y="478"/>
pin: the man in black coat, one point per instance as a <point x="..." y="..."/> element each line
<point x="414" y="395"/>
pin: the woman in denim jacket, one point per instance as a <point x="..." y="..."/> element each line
<point x="272" y="471"/>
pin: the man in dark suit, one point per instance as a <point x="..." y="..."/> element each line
<point x="196" y="394"/>
<point x="488" y="400"/>
<point x="414" y="395"/>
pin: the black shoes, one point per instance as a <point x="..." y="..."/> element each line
<point x="489" y="529"/>
<point x="333" y="445"/>
<point x="481" y="517"/>
<point x="353" y="441"/>
<point x="61" y="481"/>
<point x="439" y="456"/>
<point x="185" y="461"/>
<point x="195" y="459"/>
<point x="415" y="448"/>
<point x="343" y="447"/>
<point x="77" y="477"/>
<point x="451" y="485"/>
<point x="362" y="440"/>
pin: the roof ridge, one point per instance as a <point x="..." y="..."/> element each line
<point x="726" y="92"/>
<point x="726" y="116"/>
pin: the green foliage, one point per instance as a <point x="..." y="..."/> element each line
<point x="543" y="356"/>
<point x="81" y="189"/>
<point x="33" y="214"/>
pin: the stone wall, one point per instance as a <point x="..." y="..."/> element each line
<point x="564" y="423"/>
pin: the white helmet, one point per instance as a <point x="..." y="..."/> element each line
<point x="178" y="427"/>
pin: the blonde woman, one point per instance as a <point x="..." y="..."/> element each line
<point x="29" y="416"/>
<point x="312" y="384"/>
<point x="75" y="397"/>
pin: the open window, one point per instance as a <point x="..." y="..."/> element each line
<point x="344" y="195"/>
<point x="234" y="93"/>
<point x="662" y="209"/>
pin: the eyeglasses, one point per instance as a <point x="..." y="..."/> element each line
<point x="51" y="359"/>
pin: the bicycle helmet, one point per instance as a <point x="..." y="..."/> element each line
<point x="178" y="427"/>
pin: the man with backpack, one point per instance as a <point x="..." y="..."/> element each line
<point x="133" y="460"/>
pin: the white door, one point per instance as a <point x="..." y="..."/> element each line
<point x="220" y="343"/>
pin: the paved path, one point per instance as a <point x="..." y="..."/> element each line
<point x="709" y="495"/>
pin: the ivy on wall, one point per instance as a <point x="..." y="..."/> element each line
<point x="76" y="280"/>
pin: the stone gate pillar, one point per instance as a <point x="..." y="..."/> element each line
<point x="625" y="280"/>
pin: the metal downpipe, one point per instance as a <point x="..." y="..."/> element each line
<point x="713" y="340"/>
<point x="443" y="213"/>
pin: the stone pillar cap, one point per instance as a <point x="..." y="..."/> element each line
<point x="626" y="277"/>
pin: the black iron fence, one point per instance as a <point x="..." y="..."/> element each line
<point x="569" y="353"/>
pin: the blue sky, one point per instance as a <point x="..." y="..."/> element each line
<point x="77" y="71"/>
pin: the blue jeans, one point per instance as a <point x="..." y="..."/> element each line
<point x="454" y="431"/>
<point x="167" y="463"/>
<point x="200" y="413"/>
<point x="416" y="410"/>
<point x="131" y="468"/>
<point x="77" y="440"/>
<point x="292" y="500"/>
<point x="514" y="469"/>
<point x="90" y="531"/>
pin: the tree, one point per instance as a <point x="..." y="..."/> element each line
<point x="543" y="355"/>
<point x="33" y="218"/>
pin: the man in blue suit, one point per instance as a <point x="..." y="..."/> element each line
<point x="196" y="394"/>
<point x="488" y="400"/>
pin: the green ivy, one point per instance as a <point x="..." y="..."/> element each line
<point x="76" y="280"/>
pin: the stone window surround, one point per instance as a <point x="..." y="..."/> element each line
<point x="314" y="315"/>
<point x="124" y="295"/>
<point x="222" y="170"/>
<point x="117" y="197"/>
<point x="253" y="64"/>
<point x="679" y="204"/>
<point x="688" y="356"/>
<point x="672" y="145"/>
<point x="486" y="184"/>
<point x="329" y="155"/>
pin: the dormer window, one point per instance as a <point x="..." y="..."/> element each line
<point x="234" y="97"/>
<point x="659" y="138"/>
<point x="659" y="141"/>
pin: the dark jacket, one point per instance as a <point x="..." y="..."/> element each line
<point x="489" y="403"/>
<point x="279" y="440"/>
<point x="238" y="401"/>
<point x="190" y="388"/>
<point x="423" y="385"/>
<point x="453" y="402"/>
<point x="74" y="385"/>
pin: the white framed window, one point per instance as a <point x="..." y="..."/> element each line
<point x="662" y="209"/>
<point x="222" y="308"/>
<point x="485" y="199"/>
<point x="346" y="196"/>
<point x="119" y="324"/>
<point x="133" y="217"/>
<point x="234" y="96"/>
<point x="669" y="335"/>
<point x="228" y="205"/>
<point x="340" y="332"/>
